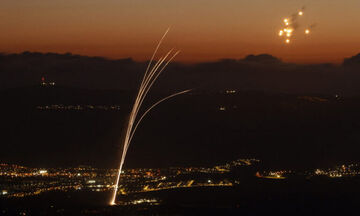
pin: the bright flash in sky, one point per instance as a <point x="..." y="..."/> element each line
<point x="290" y="27"/>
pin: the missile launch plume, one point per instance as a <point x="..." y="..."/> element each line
<point x="151" y="75"/>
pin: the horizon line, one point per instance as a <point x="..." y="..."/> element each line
<point x="185" y="62"/>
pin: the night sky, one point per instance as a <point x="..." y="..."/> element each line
<point x="204" y="30"/>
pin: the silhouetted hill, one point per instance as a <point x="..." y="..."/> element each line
<point x="27" y="68"/>
<point x="352" y="61"/>
<point x="262" y="58"/>
<point x="255" y="72"/>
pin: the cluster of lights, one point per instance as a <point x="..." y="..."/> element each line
<point x="61" y="107"/>
<point x="152" y="201"/>
<point x="93" y="179"/>
<point x="281" y="174"/>
<point x="42" y="190"/>
<point x="139" y="180"/>
<point x="182" y="184"/>
<point x="230" y="91"/>
<point x="289" y="28"/>
<point x="340" y="171"/>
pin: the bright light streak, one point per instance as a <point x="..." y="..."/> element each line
<point x="301" y="13"/>
<point x="150" y="76"/>
<point x="307" y="31"/>
<point x="42" y="171"/>
<point x="287" y="41"/>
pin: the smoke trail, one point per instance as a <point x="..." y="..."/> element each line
<point x="151" y="75"/>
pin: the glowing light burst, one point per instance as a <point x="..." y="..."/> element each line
<point x="151" y="74"/>
<point x="290" y="25"/>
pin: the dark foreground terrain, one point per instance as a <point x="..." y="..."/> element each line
<point x="315" y="196"/>
<point x="59" y="127"/>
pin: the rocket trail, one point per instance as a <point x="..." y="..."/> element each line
<point x="150" y="76"/>
<point x="153" y="106"/>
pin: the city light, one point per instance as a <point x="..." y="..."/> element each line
<point x="144" y="180"/>
<point x="222" y="108"/>
<point x="42" y="172"/>
<point x="101" y="180"/>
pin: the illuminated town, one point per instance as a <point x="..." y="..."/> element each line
<point x="61" y="107"/>
<point x="19" y="181"/>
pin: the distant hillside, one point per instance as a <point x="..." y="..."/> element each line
<point x="192" y="129"/>
<point x="255" y="72"/>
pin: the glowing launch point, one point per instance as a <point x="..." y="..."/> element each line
<point x="151" y="74"/>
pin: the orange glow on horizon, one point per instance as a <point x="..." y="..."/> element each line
<point x="217" y="30"/>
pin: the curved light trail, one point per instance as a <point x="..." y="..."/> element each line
<point x="150" y="76"/>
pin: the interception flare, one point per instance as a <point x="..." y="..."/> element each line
<point x="291" y="25"/>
